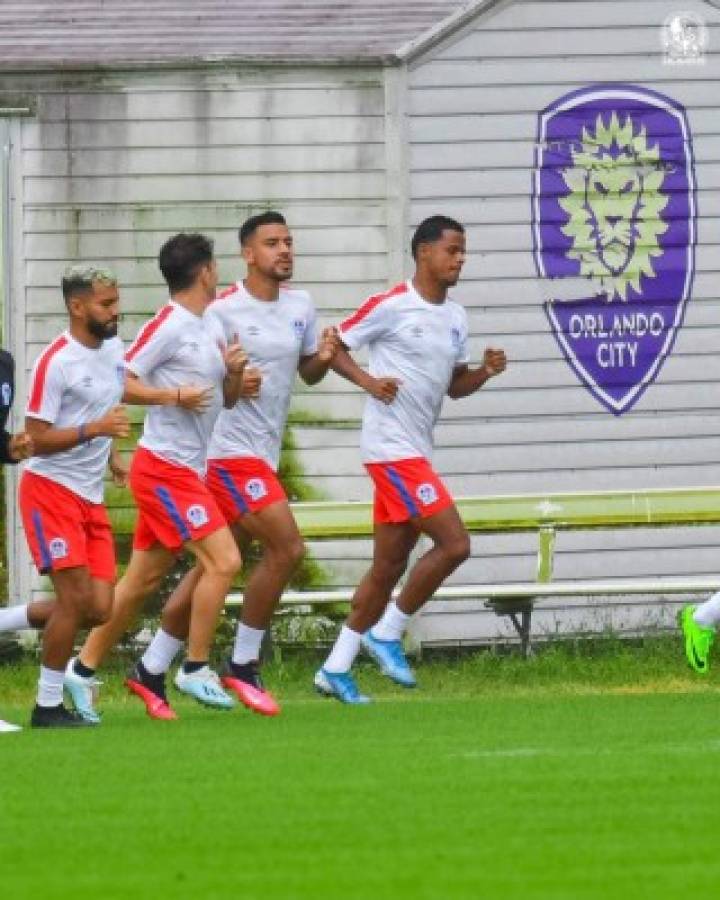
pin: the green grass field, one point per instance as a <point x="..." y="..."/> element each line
<point x="581" y="774"/>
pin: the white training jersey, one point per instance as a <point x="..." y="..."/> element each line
<point x="72" y="385"/>
<point x="174" y="349"/>
<point x="418" y="342"/>
<point x="275" y="334"/>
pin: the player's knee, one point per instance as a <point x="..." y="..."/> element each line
<point x="98" y="614"/>
<point x="295" y="551"/>
<point x="227" y="563"/>
<point x="457" y="550"/>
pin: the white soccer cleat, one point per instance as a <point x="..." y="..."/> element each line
<point x="204" y="686"/>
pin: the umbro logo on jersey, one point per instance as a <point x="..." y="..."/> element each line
<point x="253" y="330"/>
<point x="58" y="548"/>
<point x="197" y="515"/>
<point x="256" y="489"/>
<point x="417" y="331"/>
<point x="87" y="381"/>
<point x="427" y="494"/>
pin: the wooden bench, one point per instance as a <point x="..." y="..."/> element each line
<point x="545" y="514"/>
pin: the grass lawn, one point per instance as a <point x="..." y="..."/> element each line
<point x="581" y="774"/>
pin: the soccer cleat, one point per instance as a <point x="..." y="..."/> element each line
<point x="83" y="693"/>
<point x="391" y="659"/>
<point x="151" y="690"/>
<point x="245" y="682"/>
<point x="204" y="686"/>
<point x="58" y="717"/>
<point x="340" y="685"/>
<point x="698" y="641"/>
<point x="8" y="727"/>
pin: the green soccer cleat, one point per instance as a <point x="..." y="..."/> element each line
<point x="698" y="641"/>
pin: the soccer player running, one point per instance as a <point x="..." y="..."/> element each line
<point x="183" y="361"/>
<point x="417" y="341"/>
<point x="276" y="326"/>
<point x="13" y="449"/>
<point x="72" y="415"/>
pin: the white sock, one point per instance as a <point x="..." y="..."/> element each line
<point x="392" y="625"/>
<point x="50" y="687"/>
<point x="344" y="651"/>
<point x="160" y="653"/>
<point x="14" y="618"/>
<point x="247" y="644"/>
<point x="708" y="613"/>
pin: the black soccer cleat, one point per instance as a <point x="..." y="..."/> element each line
<point x="58" y="717"/>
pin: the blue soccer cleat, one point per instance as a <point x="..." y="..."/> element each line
<point x="204" y="686"/>
<point x="83" y="693"/>
<point x="340" y="685"/>
<point x="391" y="659"/>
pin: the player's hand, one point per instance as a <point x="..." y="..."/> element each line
<point x="20" y="446"/>
<point x="329" y="344"/>
<point x="194" y="397"/>
<point x="384" y="389"/>
<point x="251" y="381"/>
<point x="118" y="470"/>
<point x="235" y="358"/>
<point x="114" y="423"/>
<point x="494" y="362"/>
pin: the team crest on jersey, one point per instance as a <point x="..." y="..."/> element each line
<point x="455" y="338"/>
<point x="87" y="381"/>
<point x="427" y="494"/>
<point x="614" y="203"/>
<point x="6" y="394"/>
<point x="253" y="330"/>
<point x="416" y="331"/>
<point x="256" y="489"/>
<point x="58" y="548"/>
<point x="197" y="515"/>
<point x="299" y="326"/>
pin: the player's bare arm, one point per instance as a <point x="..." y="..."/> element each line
<point x="466" y="381"/>
<point x="192" y="397"/>
<point x="314" y="368"/>
<point x="235" y="362"/>
<point x="48" y="439"/>
<point x="384" y="388"/>
<point x="118" y="468"/>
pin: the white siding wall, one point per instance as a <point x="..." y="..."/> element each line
<point x="473" y="106"/>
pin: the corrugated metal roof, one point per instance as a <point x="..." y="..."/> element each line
<point x="73" y="34"/>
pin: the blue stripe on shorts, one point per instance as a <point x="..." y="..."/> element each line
<point x="167" y="501"/>
<point x="405" y="495"/>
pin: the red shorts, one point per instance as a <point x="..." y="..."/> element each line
<point x="174" y="505"/>
<point x="244" y="484"/>
<point x="406" y="489"/>
<point x="64" y="530"/>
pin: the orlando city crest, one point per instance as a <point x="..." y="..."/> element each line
<point x="614" y="203"/>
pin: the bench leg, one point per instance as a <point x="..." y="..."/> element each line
<point x="522" y="626"/>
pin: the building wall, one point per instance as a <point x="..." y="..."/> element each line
<point x="473" y="118"/>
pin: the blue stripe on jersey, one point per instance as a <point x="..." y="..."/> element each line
<point x="232" y="488"/>
<point x="167" y="501"/>
<point x="405" y="495"/>
<point x="40" y="535"/>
